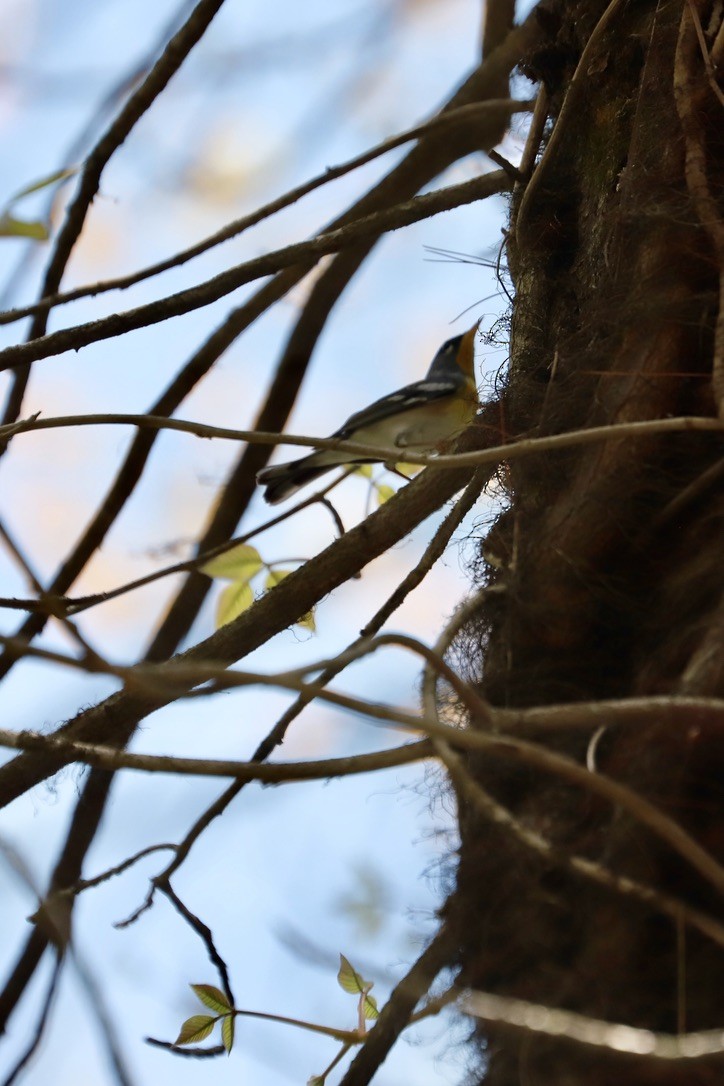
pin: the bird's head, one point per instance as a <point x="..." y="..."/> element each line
<point x="457" y="353"/>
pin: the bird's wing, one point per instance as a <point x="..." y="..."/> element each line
<point x="405" y="399"/>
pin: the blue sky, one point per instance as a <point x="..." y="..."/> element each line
<point x="274" y="94"/>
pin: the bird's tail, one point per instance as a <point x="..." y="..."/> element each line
<point x="283" y="480"/>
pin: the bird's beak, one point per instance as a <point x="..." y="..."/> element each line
<point x="466" y="355"/>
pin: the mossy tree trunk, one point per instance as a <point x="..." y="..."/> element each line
<point x="607" y="569"/>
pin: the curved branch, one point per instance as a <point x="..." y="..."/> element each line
<point x="111" y="720"/>
<point x="104" y="757"/>
<point x="525" y="446"/>
<point x="175" y="52"/>
<point x="492" y="111"/>
<point x="304" y="252"/>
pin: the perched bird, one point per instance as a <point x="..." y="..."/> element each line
<point x="419" y="417"/>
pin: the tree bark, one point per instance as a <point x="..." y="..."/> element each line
<point x="607" y="563"/>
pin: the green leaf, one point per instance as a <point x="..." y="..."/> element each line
<point x="349" y="979"/>
<point x="316" y="1080"/>
<point x="408" y="469"/>
<point x="236" y="598"/>
<point x="44" y="183"/>
<point x="307" y="622"/>
<point x="365" y="470"/>
<point x="227" y="1032"/>
<point x="239" y="563"/>
<point x="275" y="577"/>
<point x="196" y="1028"/>
<point x="384" y="493"/>
<point x="211" y="997"/>
<point x="370" y="1008"/>
<point x="10" y="227"/>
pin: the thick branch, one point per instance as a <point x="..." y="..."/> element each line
<point x="274" y="612"/>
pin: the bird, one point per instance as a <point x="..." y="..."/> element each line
<point x="419" y="417"/>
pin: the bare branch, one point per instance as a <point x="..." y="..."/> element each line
<point x="615" y="1036"/>
<point x="204" y="933"/>
<point x="492" y="454"/>
<point x="676" y="909"/>
<point x="626" y="712"/>
<point x="644" y="812"/>
<point x="267" y="773"/>
<point x="298" y="254"/>
<point x="397" y="1012"/>
<point x="492" y="111"/>
<point x="175" y="52"/>
<point x="286" y="603"/>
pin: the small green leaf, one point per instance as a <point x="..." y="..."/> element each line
<point x="10" y="227"/>
<point x="370" y="1008"/>
<point x="275" y="577"/>
<point x="227" y="1032"/>
<point x="408" y="469"/>
<point x="196" y="1028"/>
<point x="236" y="598"/>
<point x="349" y="979"/>
<point x="211" y="997"/>
<point x="365" y="470"/>
<point x="44" y="183"/>
<point x="239" y="563"/>
<point x="316" y="1080"/>
<point x="384" y="493"/>
<point x="307" y="622"/>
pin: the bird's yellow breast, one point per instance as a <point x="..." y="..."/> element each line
<point x="425" y="427"/>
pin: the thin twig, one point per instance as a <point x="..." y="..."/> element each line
<point x="50" y="604"/>
<point x="43" y="1017"/>
<point x="300" y="253"/>
<point x="204" y="933"/>
<point x="468" y="115"/>
<point x="112" y="872"/>
<point x="581" y="866"/>
<point x="266" y="773"/>
<point x="175" y="52"/>
<point x="614" y="712"/>
<point x="519" y="447"/>
<point x="639" y="808"/>
<point x="98" y="1009"/>
<point x="44" y="601"/>
<point x="445" y="738"/>
<point x="613" y="1036"/>
<point x="433" y="551"/>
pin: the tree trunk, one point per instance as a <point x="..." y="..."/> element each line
<point x="607" y="567"/>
